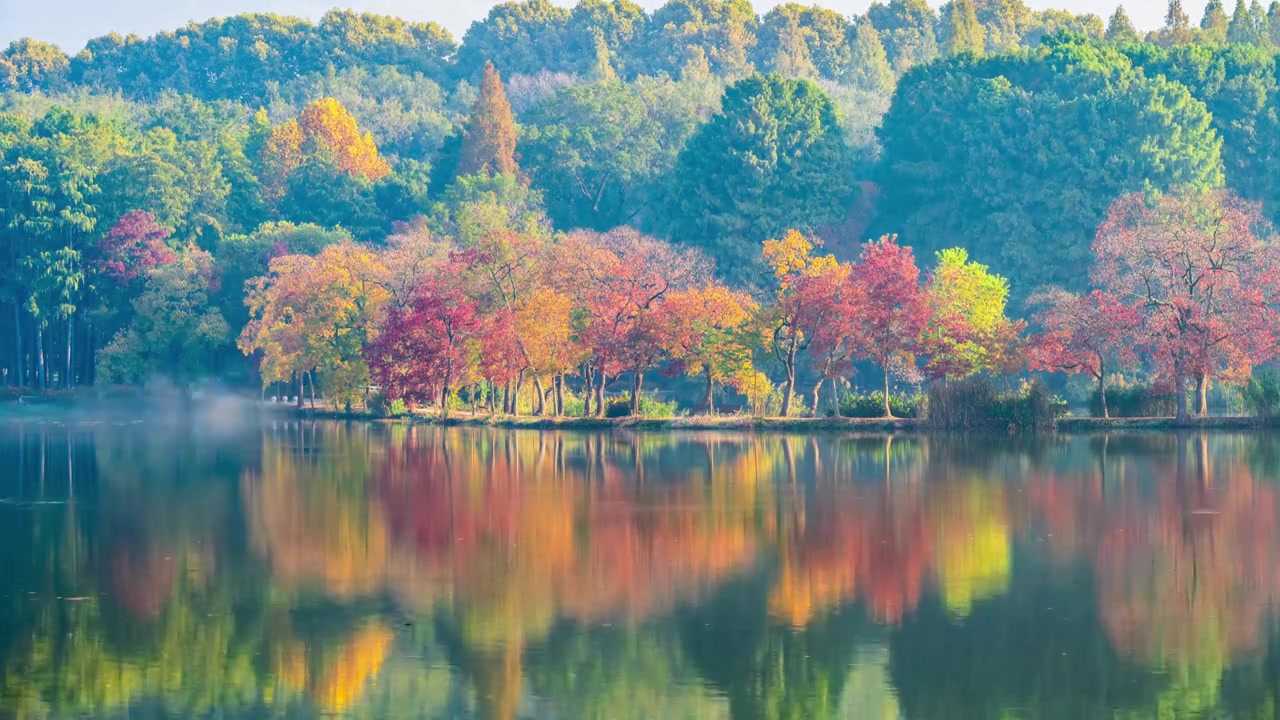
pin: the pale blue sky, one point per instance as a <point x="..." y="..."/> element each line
<point x="72" y="22"/>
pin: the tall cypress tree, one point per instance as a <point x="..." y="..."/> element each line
<point x="1261" y="23"/>
<point x="489" y="146"/>
<point x="1120" y="28"/>
<point x="1214" y="22"/>
<point x="1241" y="29"/>
<point x="961" y="31"/>
<point x="1273" y="20"/>
<point x="869" y="68"/>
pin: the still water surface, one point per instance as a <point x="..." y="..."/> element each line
<point x="294" y="569"/>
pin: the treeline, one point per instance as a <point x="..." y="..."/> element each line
<point x="202" y="155"/>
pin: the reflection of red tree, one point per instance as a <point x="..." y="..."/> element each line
<point x="1185" y="554"/>
<point x="141" y="579"/>
<point x="855" y="540"/>
<point x="1188" y="575"/>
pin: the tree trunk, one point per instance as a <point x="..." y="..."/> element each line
<point x="311" y="385"/>
<point x="559" y="395"/>
<point x="835" y="396"/>
<point x="1179" y="389"/>
<point x="588" y="388"/>
<point x="444" y="395"/>
<point x="888" y="409"/>
<point x="39" y="358"/>
<point x="506" y="399"/>
<point x="298" y="399"/>
<point x="1202" y="394"/>
<point x="1102" y="389"/>
<point x="711" y="394"/>
<point x="604" y="380"/>
<point x="637" y="379"/>
<point x="20" y="362"/>
<point x="69" y="381"/>
<point x="539" y="405"/>
<point x="515" y="396"/>
<point x="789" y="393"/>
<point x="817" y="394"/>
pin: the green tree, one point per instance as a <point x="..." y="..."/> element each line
<point x="1273" y="22"/>
<point x="489" y="145"/>
<point x="906" y="28"/>
<point x="869" y="68"/>
<point x="816" y="34"/>
<point x="519" y="37"/>
<point x="1177" y="26"/>
<point x="722" y="31"/>
<point x="28" y="65"/>
<point x="960" y="29"/>
<point x="1018" y="159"/>
<point x="774" y="158"/>
<point x="619" y="24"/>
<point x="1120" y="29"/>
<point x="1242" y="30"/>
<point x="597" y="152"/>
<point x="1004" y="23"/>
<point x="1261" y="24"/>
<point x="176" y="332"/>
<point x="1214" y="22"/>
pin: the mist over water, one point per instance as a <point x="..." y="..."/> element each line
<point x="243" y="566"/>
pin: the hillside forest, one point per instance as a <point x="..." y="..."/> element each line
<point x="569" y="201"/>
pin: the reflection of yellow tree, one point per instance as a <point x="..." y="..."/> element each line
<point x="317" y="524"/>
<point x="355" y="662"/>
<point x="972" y="542"/>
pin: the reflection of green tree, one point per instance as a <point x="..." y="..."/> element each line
<point x="770" y="670"/>
<point x="617" y="674"/>
<point x="1037" y="651"/>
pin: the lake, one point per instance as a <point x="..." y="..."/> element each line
<point x="283" y="568"/>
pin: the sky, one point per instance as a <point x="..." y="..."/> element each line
<point x="70" y="23"/>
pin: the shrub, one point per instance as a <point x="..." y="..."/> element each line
<point x="650" y="407"/>
<point x="871" y="405"/>
<point x="1126" y="400"/>
<point x="379" y="406"/>
<point x="1262" y="394"/>
<point x="974" y="404"/>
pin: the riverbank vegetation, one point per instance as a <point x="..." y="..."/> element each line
<point x="573" y="209"/>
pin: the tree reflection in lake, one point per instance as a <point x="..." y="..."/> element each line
<point x="304" y="569"/>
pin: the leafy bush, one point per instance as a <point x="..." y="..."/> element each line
<point x="871" y="405"/>
<point x="974" y="404"/>
<point x="1262" y="394"/>
<point x="1127" y="400"/>
<point x="650" y="407"/>
<point x="379" y="406"/>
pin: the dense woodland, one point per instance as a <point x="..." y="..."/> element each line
<point x="566" y="197"/>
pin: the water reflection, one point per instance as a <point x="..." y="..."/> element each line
<point x="306" y="569"/>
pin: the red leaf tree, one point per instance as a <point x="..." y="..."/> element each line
<point x="1200" y="268"/>
<point x="424" y="348"/>
<point x="888" y="306"/>
<point x="134" y="245"/>
<point x="1082" y="333"/>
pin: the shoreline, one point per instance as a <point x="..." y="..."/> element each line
<point x="1068" y="425"/>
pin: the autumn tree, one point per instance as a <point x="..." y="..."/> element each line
<point x="1090" y="334"/>
<point x="708" y="333"/>
<point x="887" y="306"/>
<point x="422" y="350"/>
<point x="489" y="146"/>
<point x="967" y="331"/>
<point x="329" y="124"/>
<point x="805" y="285"/>
<point x="316" y="314"/>
<point x="619" y="280"/>
<point x="1199" y="266"/>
